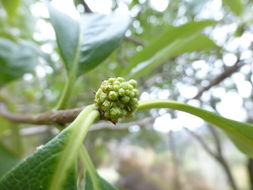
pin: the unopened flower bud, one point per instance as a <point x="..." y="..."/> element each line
<point x="117" y="98"/>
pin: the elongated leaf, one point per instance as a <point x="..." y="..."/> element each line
<point x="180" y="46"/>
<point x="101" y="35"/>
<point x="7" y="160"/>
<point x="52" y="167"/>
<point x="240" y="133"/>
<point x="16" y="58"/>
<point x="36" y="171"/>
<point x="67" y="31"/>
<point x="170" y="35"/>
<point x="236" y="6"/>
<point x="104" y="185"/>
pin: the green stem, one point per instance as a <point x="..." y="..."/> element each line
<point x="85" y="158"/>
<point x="66" y="94"/>
<point x="78" y="129"/>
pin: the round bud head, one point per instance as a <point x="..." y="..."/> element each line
<point x="125" y="99"/>
<point x="117" y="98"/>
<point x="121" y="91"/>
<point x="116" y="87"/>
<point x="113" y="95"/>
<point x="133" y="83"/>
<point x="120" y="79"/>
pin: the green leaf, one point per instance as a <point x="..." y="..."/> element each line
<point x="104" y="185"/>
<point x="36" y="171"/>
<point x="185" y="45"/>
<point x="101" y="35"/>
<point x="11" y="6"/>
<point x="16" y="58"/>
<point x="171" y="34"/>
<point x="236" y="6"/>
<point x="67" y="31"/>
<point x="52" y="167"/>
<point x="240" y="133"/>
<point x="7" y="159"/>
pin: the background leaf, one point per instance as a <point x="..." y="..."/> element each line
<point x="101" y="35"/>
<point x="5" y="126"/>
<point x="36" y="171"/>
<point x="236" y="6"/>
<point x="67" y="31"/>
<point x="16" y="58"/>
<point x="103" y="183"/>
<point x="240" y="133"/>
<point x="11" y="6"/>
<point x="171" y="34"/>
<point x="178" y="47"/>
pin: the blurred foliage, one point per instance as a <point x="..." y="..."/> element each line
<point x="7" y="159"/>
<point x="162" y="47"/>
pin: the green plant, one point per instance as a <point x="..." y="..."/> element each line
<point x="54" y="165"/>
<point x="117" y="98"/>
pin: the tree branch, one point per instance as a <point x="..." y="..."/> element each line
<point x="134" y="40"/>
<point x="227" y="73"/>
<point x="62" y="117"/>
<point x="217" y="156"/>
<point x="47" y="118"/>
<point x="217" y="140"/>
<point x="202" y="143"/>
<point x="86" y="6"/>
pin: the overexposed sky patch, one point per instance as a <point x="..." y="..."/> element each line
<point x="231" y="107"/>
<point x="160" y="5"/>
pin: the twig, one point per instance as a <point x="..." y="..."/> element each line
<point x="217" y="140"/>
<point x="62" y="117"/>
<point x="48" y="118"/>
<point x="218" y="156"/>
<point x="134" y="40"/>
<point x="227" y="73"/>
<point x="202" y="143"/>
<point x="95" y="127"/>
<point x="86" y="7"/>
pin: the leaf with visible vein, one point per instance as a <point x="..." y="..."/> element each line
<point x="171" y="34"/>
<point x="101" y="35"/>
<point x="67" y="31"/>
<point x="196" y="42"/>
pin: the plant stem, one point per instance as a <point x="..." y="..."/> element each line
<point x="78" y="130"/>
<point x="72" y="76"/>
<point x="66" y="94"/>
<point x="85" y="158"/>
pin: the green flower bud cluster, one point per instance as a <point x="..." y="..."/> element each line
<point x="117" y="98"/>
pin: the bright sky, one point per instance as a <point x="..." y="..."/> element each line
<point x="231" y="102"/>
